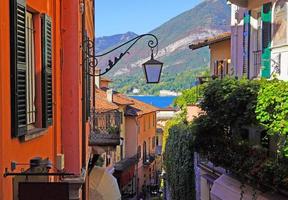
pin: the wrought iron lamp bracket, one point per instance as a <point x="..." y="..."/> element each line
<point x="93" y="59"/>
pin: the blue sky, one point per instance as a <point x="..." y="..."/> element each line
<point x="139" y="16"/>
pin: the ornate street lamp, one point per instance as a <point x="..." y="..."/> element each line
<point x="152" y="68"/>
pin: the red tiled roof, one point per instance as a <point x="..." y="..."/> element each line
<point x="106" y="79"/>
<point x="118" y="98"/>
<point x="212" y="40"/>
<point x="103" y="105"/>
<point x="140" y="108"/>
<point x="134" y="106"/>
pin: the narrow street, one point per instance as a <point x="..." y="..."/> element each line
<point x="143" y="100"/>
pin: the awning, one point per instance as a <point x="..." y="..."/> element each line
<point x="227" y="188"/>
<point x="102" y="185"/>
<point x="125" y="170"/>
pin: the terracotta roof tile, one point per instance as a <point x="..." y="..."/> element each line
<point x="106" y="79"/>
<point x="118" y="98"/>
<point x="103" y="105"/>
<point x="134" y="106"/>
<point x="212" y="40"/>
<point x="140" y="108"/>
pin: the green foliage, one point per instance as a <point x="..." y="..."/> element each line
<point x="113" y="129"/>
<point x="229" y="105"/>
<point x="272" y="106"/>
<point x="189" y="96"/>
<point x="229" y="101"/>
<point x="247" y="102"/>
<point x="248" y="162"/>
<point x="179" y="162"/>
<point x="180" y="118"/>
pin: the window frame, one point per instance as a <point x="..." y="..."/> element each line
<point x="18" y="18"/>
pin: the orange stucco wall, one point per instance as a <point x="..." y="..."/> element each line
<point x="146" y="133"/>
<point x="71" y="88"/>
<point x="138" y="129"/>
<point x="65" y="135"/>
<point x="72" y="130"/>
<point x="49" y="144"/>
<point x="193" y="111"/>
<point x="131" y="137"/>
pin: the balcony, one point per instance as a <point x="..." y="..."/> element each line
<point x="106" y="129"/>
<point x="148" y="160"/>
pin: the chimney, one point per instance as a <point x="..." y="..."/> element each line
<point x="97" y="78"/>
<point x="109" y="94"/>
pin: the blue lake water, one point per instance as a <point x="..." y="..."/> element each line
<point x="158" y="101"/>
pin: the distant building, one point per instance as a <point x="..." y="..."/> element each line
<point x="220" y="53"/>
<point x="141" y="136"/>
<point x="125" y="137"/>
<point x="169" y="93"/>
<point x="135" y="91"/>
<point x="260" y="38"/>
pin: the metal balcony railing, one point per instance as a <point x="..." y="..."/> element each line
<point x="106" y="129"/>
<point x="108" y="122"/>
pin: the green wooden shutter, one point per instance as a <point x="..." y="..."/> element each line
<point x="216" y="68"/>
<point x="266" y="16"/>
<point x="87" y="76"/>
<point x="246" y="44"/>
<point x="18" y="67"/>
<point x="47" y="79"/>
<point x="88" y="104"/>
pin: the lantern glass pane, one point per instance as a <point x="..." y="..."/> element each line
<point x="153" y="73"/>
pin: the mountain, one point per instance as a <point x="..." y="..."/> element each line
<point x="103" y="43"/>
<point x="207" y="19"/>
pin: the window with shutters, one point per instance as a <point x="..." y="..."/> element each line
<point x="246" y="43"/>
<point x="149" y="122"/>
<point x="144" y="151"/>
<point x="144" y="125"/>
<point x="25" y="100"/>
<point x="139" y="152"/>
<point x="153" y="142"/>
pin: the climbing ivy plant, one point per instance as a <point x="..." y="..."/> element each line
<point x="179" y="162"/>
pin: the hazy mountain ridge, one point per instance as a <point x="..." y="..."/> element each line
<point x="208" y="18"/>
<point x="105" y="42"/>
